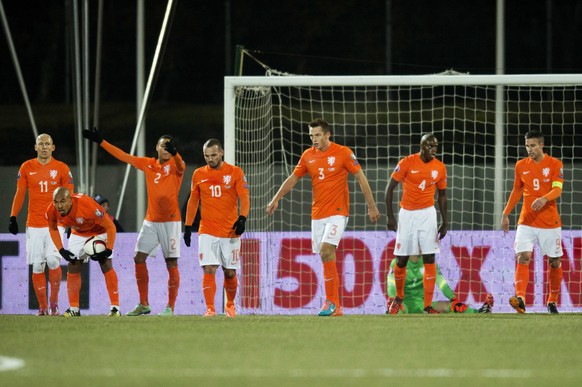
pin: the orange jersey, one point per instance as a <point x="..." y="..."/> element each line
<point x="536" y="179"/>
<point x="86" y="218"/>
<point x="40" y="181"/>
<point x="419" y="181"/>
<point x="329" y="178"/>
<point x="162" y="181"/>
<point x="218" y="191"/>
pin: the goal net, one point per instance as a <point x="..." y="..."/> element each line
<point x="480" y="122"/>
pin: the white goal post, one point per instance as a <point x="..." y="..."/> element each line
<point x="479" y="120"/>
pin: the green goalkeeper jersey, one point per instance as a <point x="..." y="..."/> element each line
<point x="413" y="288"/>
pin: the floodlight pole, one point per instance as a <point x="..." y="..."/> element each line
<point x="17" y="67"/>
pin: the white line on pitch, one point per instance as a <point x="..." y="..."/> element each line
<point x="10" y="363"/>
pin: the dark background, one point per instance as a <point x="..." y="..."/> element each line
<point x="302" y="37"/>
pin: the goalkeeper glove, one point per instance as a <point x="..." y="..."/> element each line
<point x="13" y="225"/>
<point x="69" y="257"/>
<point x="187" y="235"/>
<point x="239" y="225"/>
<point x="457" y="306"/>
<point x="171" y="147"/>
<point x="93" y="135"/>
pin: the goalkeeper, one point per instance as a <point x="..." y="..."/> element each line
<point x="414" y="292"/>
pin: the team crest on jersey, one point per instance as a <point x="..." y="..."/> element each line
<point x="167" y="169"/>
<point x="98" y="213"/>
<point x="53" y="173"/>
<point x="434" y="174"/>
<point x="80" y="220"/>
<point x="546" y="172"/>
<point x="227" y="179"/>
<point x="331" y="160"/>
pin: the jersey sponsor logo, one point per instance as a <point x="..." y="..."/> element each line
<point x="18" y="178"/>
<point x="353" y="157"/>
<point x="546" y="171"/>
<point x="413" y="171"/>
<point x="32" y="173"/>
<point x="331" y="160"/>
<point x="525" y="172"/>
<point x="311" y="161"/>
<point x="397" y="168"/>
<point x="561" y="173"/>
<point x="53" y="173"/>
<point x="204" y="180"/>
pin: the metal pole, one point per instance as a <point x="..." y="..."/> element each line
<point x="141" y="202"/>
<point x="17" y="67"/>
<point x="500" y="116"/>
<point x="85" y="67"/>
<point x="96" y="98"/>
<point x="81" y="160"/>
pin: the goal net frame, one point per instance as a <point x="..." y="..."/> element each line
<point x="265" y="287"/>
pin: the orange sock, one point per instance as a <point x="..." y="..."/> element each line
<point x="230" y="285"/>
<point x="173" y="285"/>
<point x="55" y="278"/>
<point x="209" y="289"/>
<point x="555" y="284"/>
<point x="112" y="286"/>
<point x="428" y="282"/>
<point x="331" y="281"/>
<point x="399" y="278"/>
<point x="74" y="288"/>
<point x="142" y="278"/>
<point x="39" y="285"/>
<point x="521" y="280"/>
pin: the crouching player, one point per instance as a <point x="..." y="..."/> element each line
<point x="414" y="292"/>
<point x="86" y="219"/>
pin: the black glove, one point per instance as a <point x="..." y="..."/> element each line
<point x="187" y="235"/>
<point x="13" y="225"/>
<point x="68" y="232"/>
<point x="93" y="135"/>
<point x="69" y="257"/>
<point x="171" y="147"/>
<point x="239" y="225"/>
<point x="102" y="256"/>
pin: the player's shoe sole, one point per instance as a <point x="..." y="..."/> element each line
<point x="517" y="304"/>
<point x="139" y="310"/>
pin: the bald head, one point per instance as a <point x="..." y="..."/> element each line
<point x="428" y="147"/>
<point x="62" y="200"/>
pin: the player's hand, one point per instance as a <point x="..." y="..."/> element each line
<point x="388" y="303"/>
<point x="458" y="306"/>
<point x="239" y="225"/>
<point x="67" y="255"/>
<point x="443" y="230"/>
<point x="391" y="224"/>
<point x="271" y="207"/>
<point x="373" y="214"/>
<point x="13" y="225"/>
<point x="505" y="223"/>
<point x="187" y="235"/>
<point x="93" y="135"/>
<point x="171" y="147"/>
<point x="102" y="256"/>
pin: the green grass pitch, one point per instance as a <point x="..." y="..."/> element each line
<point x="354" y="350"/>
